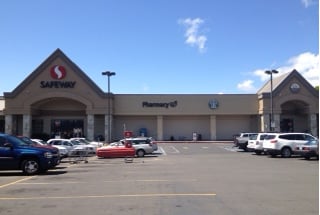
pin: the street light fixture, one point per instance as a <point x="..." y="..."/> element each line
<point x="109" y="74"/>
<point x="270" y="72"/>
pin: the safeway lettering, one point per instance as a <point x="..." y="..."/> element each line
<point x="57" y="84"/>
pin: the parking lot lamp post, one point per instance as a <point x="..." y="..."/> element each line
<point x="270" y="72"/>
<point x="109" y="74"/>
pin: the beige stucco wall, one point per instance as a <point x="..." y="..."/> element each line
<point x="235" y="104"/>
<point x="2" y="104"/>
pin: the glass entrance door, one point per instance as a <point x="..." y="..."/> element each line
<point x="286" y="125"/>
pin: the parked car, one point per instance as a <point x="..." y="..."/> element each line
<point x="115" y="151"/>
<point x="285" y="143"/>
<point x="72" y="145"/>
<point x="142" y="145"/>
<point x="242" y="140"/>
<point x="90" y="149"/>
<point x="308" y="150"/>
<point x="234" y="137"/>
<point x="62" y="150"/>
<point x="16" y="154"/>
<point x="35" y="142"/>
<point x="86" y="141"/>
<point x="61" y="142"/>
<point x="255" y="143"/>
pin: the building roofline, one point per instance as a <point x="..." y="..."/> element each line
<point x="56" y="54"/>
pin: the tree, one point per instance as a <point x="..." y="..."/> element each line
<point x="317" y="87"/>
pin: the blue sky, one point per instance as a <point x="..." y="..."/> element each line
<point x="163" y="46"/>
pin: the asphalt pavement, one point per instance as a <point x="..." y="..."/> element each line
<point x="180" y="179"/>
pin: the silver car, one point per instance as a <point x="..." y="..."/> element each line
<point x="142" y="145"/>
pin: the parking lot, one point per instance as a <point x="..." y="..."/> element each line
<point x="183" y="178"/>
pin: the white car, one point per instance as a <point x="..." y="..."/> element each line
<point x="62" y="142"/>
<point x="72" y="145"/>
<point x="91" y="149"/>
<point x="255" y="143"/>
<point x="86" y="141"/>
<point x="285" y="143"/>
<point x="62" y="150"/>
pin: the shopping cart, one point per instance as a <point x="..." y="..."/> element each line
<point x="78" y="155"/>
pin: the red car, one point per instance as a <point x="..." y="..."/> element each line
<point x="117" y="151"/>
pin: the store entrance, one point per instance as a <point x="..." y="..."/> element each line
<point x="66" y="128"/>
<point x="286" y="125"/>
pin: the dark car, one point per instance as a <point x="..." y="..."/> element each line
<point x="16" y="154"/>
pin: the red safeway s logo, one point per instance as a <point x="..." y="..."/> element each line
<point x="58" y="72"/>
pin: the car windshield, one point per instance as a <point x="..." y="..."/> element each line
<point x="18" y="141"/>
<point x="76" y="142"/>
<point x="84" y="141"/>
<point x="26" y="140"/>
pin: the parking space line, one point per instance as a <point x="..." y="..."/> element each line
<point x="228" y="148"/>
<point x="113" y="196"/>
<point x="162" y="151"/>
<point x="110" y="181"/>
<point x="174" y="150"/>
<point x="52" y="183"/>
<point x="15" y="182"/>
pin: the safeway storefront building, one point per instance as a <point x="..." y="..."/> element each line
<point x="59" y="99"/>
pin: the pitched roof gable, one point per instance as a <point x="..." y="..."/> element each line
<point x="56" y="54"/>
<point x="280" y="82"/>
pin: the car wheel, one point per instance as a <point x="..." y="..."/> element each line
<point x="286" y="152"/>
<point x="140" y="153"/>
<point x="307" y="157"/>
<point x="30" y="166"/>
<point x="258" y="152"/>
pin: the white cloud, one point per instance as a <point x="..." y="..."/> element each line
<point x="246" y="85"/>
<point x="192" y="34"/>
<point x="307" y="3"/>
<point x="307" y="64"/>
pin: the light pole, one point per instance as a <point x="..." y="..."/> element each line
<point x="270" y="72"/>
<point x="108" y="73"/>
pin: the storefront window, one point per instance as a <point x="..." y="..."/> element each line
<point x="66" y="128"/>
